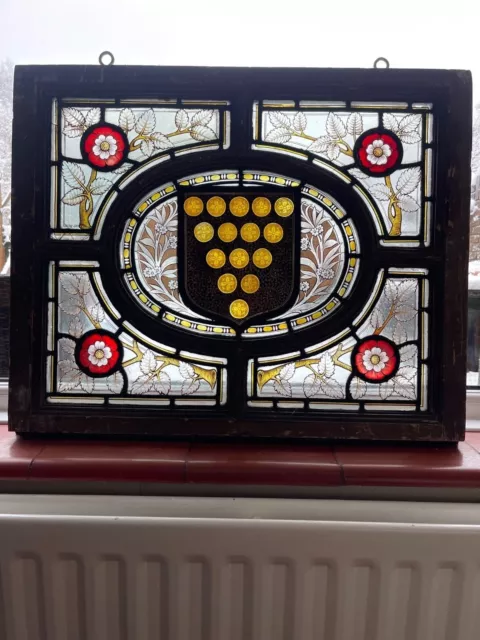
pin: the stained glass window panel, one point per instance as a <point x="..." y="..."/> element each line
<point x="273" y="257"/>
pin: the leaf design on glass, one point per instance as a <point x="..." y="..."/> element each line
<point x="390" y="122"/>
<point x="279" y="119"/>
<point x="333" y="151"/>
<point x="283" y="387"/>
<point x="74" y="122"/>
<point x="335" y="127"/>
<point x="83" y="284"/>
<point x="68" y="375"/>
<point x="280" y="136"/>
<point x="287" y="372"/>
<point x="358" y="388"/>
<point x="408" y="181"/>
<point x="355" y="124"/>
<point x="407" y="372"/>
<point x="74" y="197"/>
<point x="202" y="133"/>
<point x="115" y="382"/>
<point x="300" y="122"/>
<point x="148" y="364"/>
<point x="181" y="120"/>
<point x="160" y="141"/>
<point x="87" y="383"/>
<point x="376" y="319"/>
<point x="186" y="370"/>
<point x="126" y="120"/>
<point x="92" y="117"/>
<point x="380" y="191"/>
<point x="408" y="128"/>
<point x="407" y="289"/>
<point x="404" y="387"/>
<point x="71" y="306"/>
<point x="97" y="313"/>
<point x="73" y="175"/>
<point x="331" y="388"/>
<point x="311" y="386"/>
<point x="408" y="353"/>
<point x="404" y="313"/>
<point x="162" y="383"/>
<point x="326" y="367"/>
<point x="147" y="147"/>
<point x="143" y="384"/>
<point x="122" y="169"/>
<point x="386" y="389"/>
<point x="390" y="291"/>
<point x="145" y="123"/>
<point x="201" y="118"/>
<point x="189" y="387"/>
<point x="100" y="186"/>
<point x="408" y="204"/>
<point x="69" y="282"/>
<point x="320" y="145"/>
<point x="400" y="333"/>
<point x="67" y="347"/>
<point x="75" y="327"/>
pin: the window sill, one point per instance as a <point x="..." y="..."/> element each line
<point x="402" y="465"/>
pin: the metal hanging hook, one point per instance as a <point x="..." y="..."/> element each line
<point x="381" y="63"/>
<point x="106" y="58"/>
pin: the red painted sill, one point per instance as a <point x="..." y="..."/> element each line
<point x="322" y="465"/>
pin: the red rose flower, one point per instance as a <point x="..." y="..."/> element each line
<point x="105" y="146"/>
<point x="378" y="152"/>
<point x="99" y="353"/>
<point x="376" y="359"/>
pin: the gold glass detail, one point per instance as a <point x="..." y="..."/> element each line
<point x="216" y="258"/>
<point x="250" y="283"/>
<point x="273" y="232"/>
<point x="227" y="283"/>
<point x="239" y="258"/>
<point x="239" y="309"/>
<point x="193" y="206"/>
<point x="284" y="207"/>
<point x="262" y="258"/>
<point x="216" y="206"/>
<point x="203" y="232"/>
<point x="261" y="207"/>
<point x="227" y="232"/>
<point x="250" y="232"/>
<point x="239" y="206"/>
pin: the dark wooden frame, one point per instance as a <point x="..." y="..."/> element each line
<point x="449" y="91"/>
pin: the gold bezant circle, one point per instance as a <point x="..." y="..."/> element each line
<point x="193" y="206"/>
<point x="261" y="207"/>
<point x="262" y="258"/>
<point x="203" y="232"/>
<point x="227" y="232"/>
<point x="273" y="232"/>
<point x="216" y="206"/>
<point x="239" y="309"/>
<point x="284" y="207"/>
<point x="250" y="283"/>
<point x="227" y="283"/>
<point x="250" y="232"/>
<point x="239" y="258"/>
<point x="216" y="258"/>
<point x="239" y="206"/>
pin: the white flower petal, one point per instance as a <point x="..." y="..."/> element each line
<point x="368" y="366"/>
<point x="91" y="349"/>
<point x="369" y="149"/>
<point x="93" y="359"/>
<point x="386" y="150"/>
<point x="96" y="150"/>
<point x="99" y="344"/>
<point x="104" y="155"/>
<point x="107" y="352"/>
<point x="382" y="160"/>
<point x="102" y="362"/>
<point x="372" y="159"/>
<point x="376" y="351"/>
<point x="100" y="139"/>
<point x="377" y="143"/>
<point x="384" y="357"/>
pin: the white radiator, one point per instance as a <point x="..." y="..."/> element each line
<point x="129" y="568"/>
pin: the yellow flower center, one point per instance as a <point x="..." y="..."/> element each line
<point x="375" y="359"/>
<point x="378" y="152"/>
<point x="99" y="354"/>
